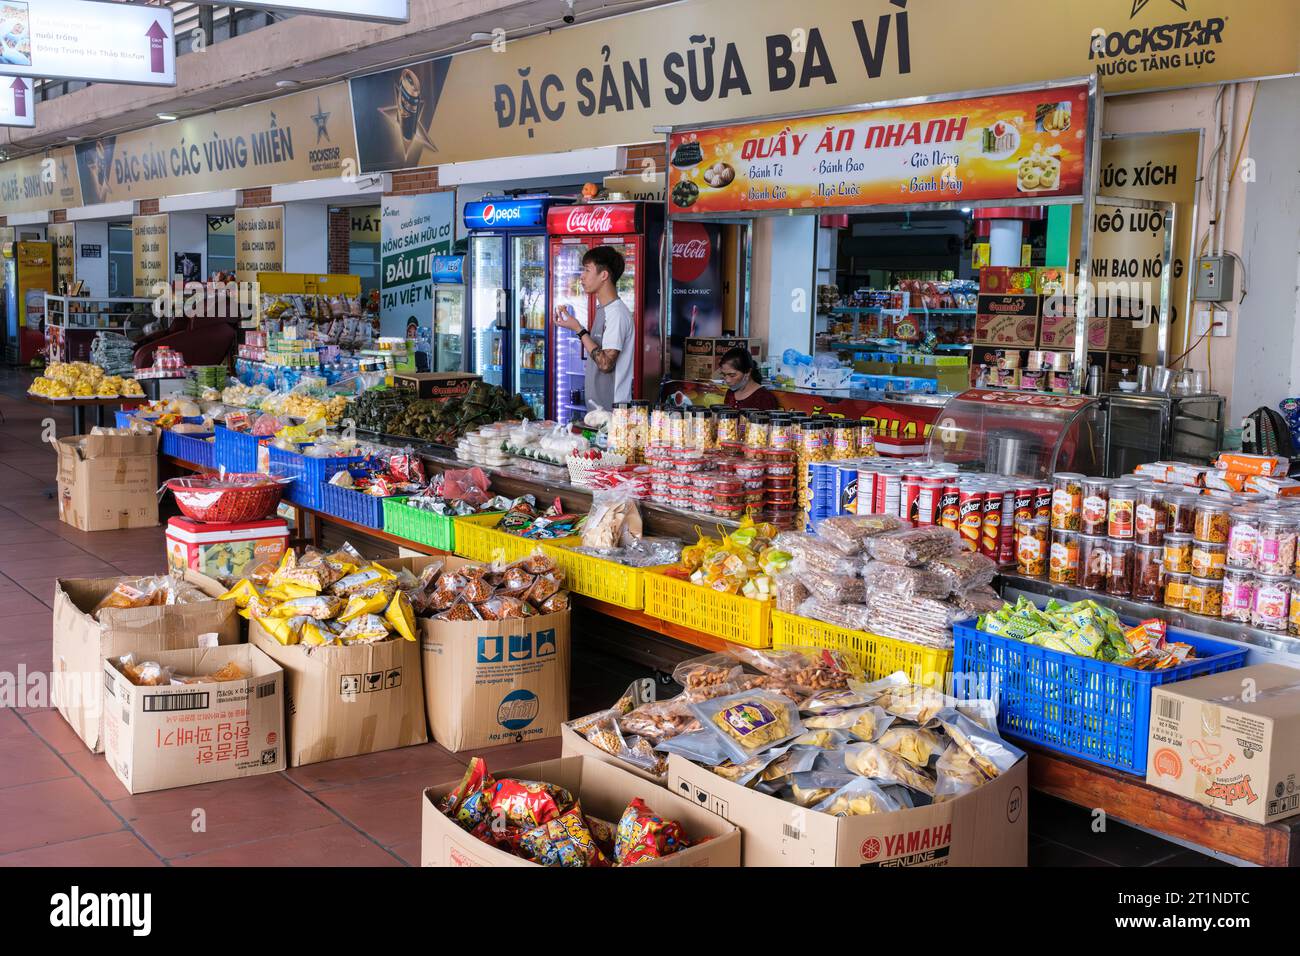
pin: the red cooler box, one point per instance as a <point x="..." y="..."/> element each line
<point x="224" y="550"/>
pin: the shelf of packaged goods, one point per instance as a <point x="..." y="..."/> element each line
<point x="1130" y="799"/>
<point x="921" y="310"/>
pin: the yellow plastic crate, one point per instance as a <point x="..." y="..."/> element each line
<point x="478" y="540"/>
<point x="600" y="579"/>
<point x="731" y="617"/>
<point x="879" y="656"/>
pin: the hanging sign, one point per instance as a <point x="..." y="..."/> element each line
<point x="17" y="101"/>
<point x="259" y="241"/>
<point x="380" y="11"/>
<point x="150" y="249"/>
<point x="88" y="40"/>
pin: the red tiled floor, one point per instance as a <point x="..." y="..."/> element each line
<point x="25" y="760"/>
<point x="34" y="654"/>
<point x="38" y="552"/>
<point x="235" y="811"/>
<point x="50" y="726"/>
<point x="14" y="531"/>
<point x="388" y="810"/>
<point x="337" y="845"/>
<point x="94" y="769"/>
<point x="25" y="627"/>
<point x="11" y="725"/>
<point x="428" y="758"/>
<point x="53" y="811"/>
<point x="15" y="601"/>
<point x="109" y="849"/>
<point x="409" y="852"/>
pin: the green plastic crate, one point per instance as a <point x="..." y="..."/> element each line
<point x="422" y="527"/>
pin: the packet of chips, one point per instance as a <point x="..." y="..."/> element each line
<point x="365" y="578"/>
<point x="369" y="601"/>
<point x="321" y="606"/>
<point x="913" y="744"/>
<point x="285" y="630"/>
<point x="644" y="835"/>
<point x="822" y="739"/>
<point x="989" y="752"/>
<point x="528" y="803"/>
<point x="242" y="593"/>
<point x="828" y="700"/>
<point x="811" y="787"/>
<point x="858" y="797"/>
<point x="473" y="779"/>
<point x="401" y="616"/>
<point x="957" y="774"/>
<point x="366" y="629"/>
<point x="873" y="761"/>
<point x="750" y="722"/>
<point x="701" y="746"/>
<point x="564" y="841"/>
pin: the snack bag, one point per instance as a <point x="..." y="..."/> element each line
<point x="365" y="629"/>
<point x="858" y="797"/>
<point x="401" y="616"/>
<point x="913" y="744"/>
<point x="369" y="601"/>
<point x="812" y="787"/>
<point x="242" y="593"/>
<point x="322" y="607"/>
<point x="701" y="746"/>
<point x="988" y="751"/>
<point x="474" y="778"/>
<point x="528" y="803"/>
<point x="824" y="701"/>
<point x="750" y="722"/>
<point x="564" y="841"/>
<point x="872" y="760"/>
<point x="286" y="630"/>
<point x="644" y="835"/>
<point x="957" y="774"/>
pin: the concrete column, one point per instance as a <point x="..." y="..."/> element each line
<point x="94" y="272"/>
<point x="1004" y="242"/>
<point x="783" y="298"/>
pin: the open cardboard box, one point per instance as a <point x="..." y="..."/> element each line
<point x="604" y="792"/>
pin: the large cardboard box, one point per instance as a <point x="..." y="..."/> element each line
<point x="438" y="384"/>
<point x="156" y="738"/>
<point x="1105" y="334"/>
<point x="1230" y="741"/>
<point x="604" y="791"/>
<point x="702" y="355"/>
<point x="83" y="642"/>
<point x="107" y="482"/>
<point x="344" y="701"/>
<point x="984" y="828"/>
<point x="1010" y="320"/>
<point x="573" y="744"/>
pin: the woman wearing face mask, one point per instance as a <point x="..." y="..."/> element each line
<point x="740" y="372"/>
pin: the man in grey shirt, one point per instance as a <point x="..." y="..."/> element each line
<point x="611" y="341"/>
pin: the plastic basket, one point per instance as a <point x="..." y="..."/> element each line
<point x="122" y="419"/>
<point x="351" y="505"/>
<point x="419" y="526"/>
<point x="1087" y="708"/>
<point x="880" y="656"/>
<point x="235" y="451"/>
<point x="197" y="500"/>
<point x="478" y="540"/>
<point x="310" y="473"/>
<point x="194" y="448"/>
<point x="731" y="617"/>
<point x="597" y="578"/>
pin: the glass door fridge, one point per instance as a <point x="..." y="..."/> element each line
<point x="448" y="326"/>
<point x="528" y="288"/>
<point x="488" y="301"/>
<point x="568" y="399"/>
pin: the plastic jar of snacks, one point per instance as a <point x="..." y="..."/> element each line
<point x="1067" y="501"/>
<point x="756" y="430"/>
<point x="638" y="422"/>
<point x="1094" y="561"/>
<point x="1096" y="503"/>
<point x="1205" y="596"/>
<point x="844" y="440"/>
<point x="1119" y="512"/>
<point x="1178" y="553"/>
<point x="689" y="461"/>
<point x="618" y="434"/>
<point x="1147" y="572"/>
<point x="1209" y="560"/>
<point x="1293" y="616"/>
<point x="1063" y="563"/>
<point x="728" y="427"/>
<point x="1272" y="602"/>
<point x="1243" y="539"/>
<point x="748" y="470"/>
<point x="1277" y="548"/>
<point x="1180" y="512"/>
<point x="1032" y="548"/>
<point x="1176" y="590"/>
<point x="1149" y="515"/>
<point x="1119" y="579"/>
<point x="676" y="421"/>
<point x="783" y="434"/>
<point x="1211" y="521"/>
<point x="1238" y="595"/>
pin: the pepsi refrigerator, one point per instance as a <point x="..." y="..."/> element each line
<point x="447" y="348"/>
<point x="636" y="230"/>
<point x="508" y="300"/>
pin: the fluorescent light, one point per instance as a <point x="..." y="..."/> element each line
<point x="480" y="35"/>
<point x="286" y="84"/>
<point x="166" y="116"/>
<point x="965" y="209"/>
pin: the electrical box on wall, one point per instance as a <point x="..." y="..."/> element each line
<point x="1215" y="279"/>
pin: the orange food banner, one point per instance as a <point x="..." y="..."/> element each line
<point x="1021" y="145"/>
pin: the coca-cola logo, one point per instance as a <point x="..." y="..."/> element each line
<point x="691" y="251"/>
<point x="589" y="220"/>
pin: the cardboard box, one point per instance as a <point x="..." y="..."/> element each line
<point x="985" y="828"/>
<point x="1007" y="320"/>
<point x="343" y="701"/>
<point x="1104" y="335"/>
<point x="156" y="738"/>
<point x="604" y="791"/>
<point x="1240" y="756"/>
<point x="437" y="384"/>
<point x="82" y="643"/>
<point x="108" y="482"/>
<point x="702" y="355"/>
<point x="1008" y="280"/>
<point x="573" y="744"/>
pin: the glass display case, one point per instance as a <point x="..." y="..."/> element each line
<point x="1027" y="434"/>
<point x="72" y="322"/>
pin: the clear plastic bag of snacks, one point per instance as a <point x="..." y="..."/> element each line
<point x="849" y="534"/>
<point x="903" y="580"/>
<point x="831" y="588"/>
<point x="813" y="550"/>
<point x="915" y="545"/>
<point x="964" y="570"/>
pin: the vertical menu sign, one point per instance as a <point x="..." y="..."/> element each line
<point x="63" y="235"/>
<point x="259" y="241"/>
<point x="87" y="40"/>
<point x="150" y="247"/>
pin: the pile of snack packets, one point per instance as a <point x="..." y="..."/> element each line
<point x="545" y="823"/>
<point x="1087" y="629"/>
<point x="744" y="561"/>
<point x="154" y="591"/>
<point x="147" y="673"/>
<point x="399" y="473"/>
<point x="808" y="729"/>
<point x="523" y="520"/>
<point x="873" y="573"/>
<point x="340" y="598"/>
<point x="457" y="492"/>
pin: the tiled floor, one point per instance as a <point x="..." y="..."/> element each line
<point x="61" y="805"/>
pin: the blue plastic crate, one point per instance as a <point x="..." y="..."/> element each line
<point x="1087" y="708"/>
<point x="310" y="473"/>
<point x="122" y="419"/>
<point x="235" y="451"/>
<point x="354" y="506"/>
<point x="194" y="448"/>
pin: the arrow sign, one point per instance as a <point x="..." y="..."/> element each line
<point x="156" y="35"/>
<point x="20" y="97"/>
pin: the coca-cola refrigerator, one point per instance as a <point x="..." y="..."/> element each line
<point x="695" y="310"/>
<point x="636" y="230"/>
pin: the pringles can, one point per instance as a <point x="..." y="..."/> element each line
<point x="928" y="502"/>
<point x="971" y="515"/>
<point x="1042" y="501"/>
<point x="950" y="505"/>
<point x="991" y="534"/>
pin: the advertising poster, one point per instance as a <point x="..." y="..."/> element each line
<point x="393" y="111"/>
<point x="415" y="229"/>
<point x="62" y="235"/>
<point x="259" y="241"/>
<point x="697" y="285"/>
<point x="1009" y="146"/>
<point x="80" y="40"/>
<point x="151" y="255"/>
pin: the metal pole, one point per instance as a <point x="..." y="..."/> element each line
<point x="1092" y="161"/>
<point x="666" y="283"/>
<point x="1166" y="287"/>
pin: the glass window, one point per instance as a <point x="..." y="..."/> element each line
<point x="120" y="257"/>
<point x="363" y="246"/>
<point x="221" y="244"/>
